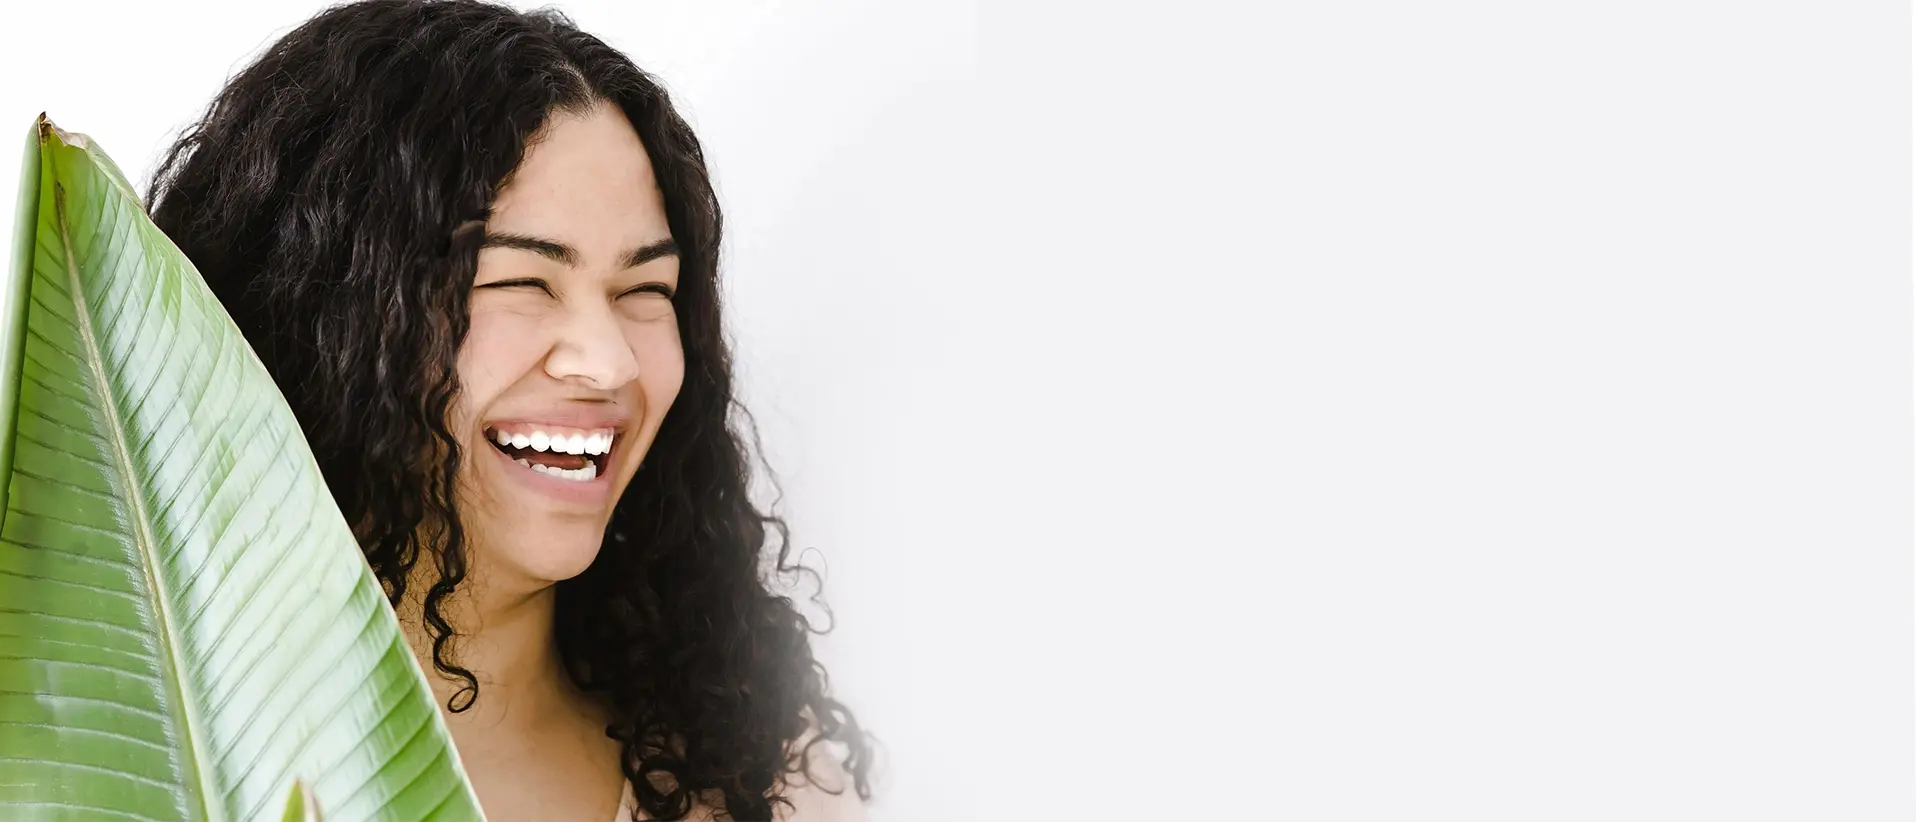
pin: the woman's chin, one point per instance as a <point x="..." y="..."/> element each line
<point x="550" y="557"/>
<point x="538" y="547"/>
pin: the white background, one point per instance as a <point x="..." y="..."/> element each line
<point x="1336" y="411"/>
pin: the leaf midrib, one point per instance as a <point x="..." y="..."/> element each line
<point x="142" y="529"/>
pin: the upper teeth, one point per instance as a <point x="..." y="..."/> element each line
<point x="596" y="442"/>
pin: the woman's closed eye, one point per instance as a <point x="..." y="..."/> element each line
<point x="655" y="288"/>
<point x="523" y="282"/>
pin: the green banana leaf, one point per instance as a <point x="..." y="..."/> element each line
<point x="187" y="626"/>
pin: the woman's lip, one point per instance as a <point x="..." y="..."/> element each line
<point x="565" y="491"/>
<point x="618" y="436"/>
<point x="581" y="419"/>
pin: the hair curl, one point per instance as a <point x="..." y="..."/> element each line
<point x="322" y="195"/>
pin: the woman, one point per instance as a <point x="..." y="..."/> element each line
<point x="477" y="249"/>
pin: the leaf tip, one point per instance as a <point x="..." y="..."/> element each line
<point x="301" y="806"/>
<point x="49" y="131"/>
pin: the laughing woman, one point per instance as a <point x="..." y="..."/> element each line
<point x="477" y="249"/>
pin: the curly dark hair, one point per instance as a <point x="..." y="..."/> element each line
<point x="326" y="196"/>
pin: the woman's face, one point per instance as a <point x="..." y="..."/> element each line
<point x="572" y="356"/>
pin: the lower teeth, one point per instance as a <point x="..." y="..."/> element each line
<point x="586" y="474"/>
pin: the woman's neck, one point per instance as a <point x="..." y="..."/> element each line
<point x="503" y="635"/>
<point x="532" y="738"/>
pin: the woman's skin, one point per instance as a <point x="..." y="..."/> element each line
<point x="567" y="336"/>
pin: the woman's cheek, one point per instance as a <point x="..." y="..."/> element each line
<point x="498" y="344"/>
<point x="661" y="361"/>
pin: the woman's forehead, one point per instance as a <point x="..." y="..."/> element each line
<point x="588" y="182"/>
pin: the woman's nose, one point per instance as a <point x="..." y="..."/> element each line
<point x="592" y="348"/>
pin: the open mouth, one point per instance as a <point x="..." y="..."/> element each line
<point x="569" y="454"/>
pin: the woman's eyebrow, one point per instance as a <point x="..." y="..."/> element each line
<point x="560" y="252"/>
